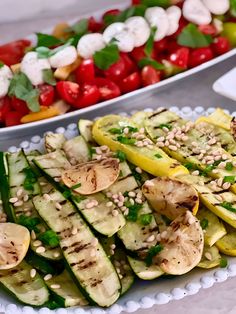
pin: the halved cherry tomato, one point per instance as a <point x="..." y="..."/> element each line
<point x="130" y="83"/>
<point x="13" y="52"/>
<point x="107" y="88"/>
<point x="85" y="73"/>
<point x="94" y="26"/>
<point x="208" y="29"/>
<point x="113" y="12"/>
<point x="19" y="105"/>
<point x="150" y="75"/>
<point x="89" y="96"/>
<point x="161" y="45"/>
<point x="138" y="53"/>
<point x="182" y="24"/>
<point x="199" y="55"/>
<point x="13" y="118"/>
<point x="5" y="107"/>
<point x="117" y="71"/>
<point x="68" y="91"/>
<point x="180" y="57"/>
<point x="47" y="95"/>
<point x="220" y="45"/>
<point x="130" y="65"/>
<point x="135" y="2"/>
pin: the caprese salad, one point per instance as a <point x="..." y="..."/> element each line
<point x="93" y="61"/>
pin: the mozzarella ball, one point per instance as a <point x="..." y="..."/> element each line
<point x="139" y="28"/>
<point x="217" y="7"/>
<point x="158" y="18"/>
<point x="5" y="77"/>
<point x="173" y="14"/>
<point x="63" y="57"/>
<point x="195" y="11"/>
<point x="89" y="44"/>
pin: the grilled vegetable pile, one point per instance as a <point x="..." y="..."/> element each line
<point x="146" y="196"/>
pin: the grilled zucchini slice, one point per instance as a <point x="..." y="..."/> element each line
<point x="143" y="271"/>
<point x="210" y="257"/>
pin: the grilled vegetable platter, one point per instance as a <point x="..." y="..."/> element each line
<point x="141" y="197"/>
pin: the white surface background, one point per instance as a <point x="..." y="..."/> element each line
<point x="193" y="91"/>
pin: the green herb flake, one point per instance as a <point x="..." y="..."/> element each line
<point x="156" y="3"/>
<point x="158" y="156"/>
<point x="229" y="166"/>
<point x="204" y="223"/>
<point x="120" y="155"/>
<point x="133" y="211"/>
<point x="150" y="43"/>
<point x="115" y="131"/>
<point x="124" y="15"/>
<point x="67" y="193"/>
<point x="76" y="186"/>
<point x="45" y="40"/>
<point x="29" y="222"/>
<point x="233" y="8"/>
<point x="223" y="262"/>
<point x="192" y="37"/>
<point x="165" y="125"/>
<point x="228" y="206"/>
<point x="30" y="179"/>
<point x="230" y="179"/>
<point x="145" y="219"/>
<point x="48" y="77"/>
<point x="153" y="63"/>
<point x="126" y="140"/>
<point x="49" y="238"/>
<point x="1" y="64"/>
<point x="107" y="56"/>
<point x="80" y="28"/>
<point x="153" y="251"/>
<point x="78" y="198"/>
<point x="43" y="52"/>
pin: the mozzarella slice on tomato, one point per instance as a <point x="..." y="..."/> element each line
<point x="123" y="38"/>
<point x="174" y="14"/>
<point x="33" y="67"/>
<point x="158" y="18"/>
<point x="89" y="44"/>
<point x="217" y="7"/>
<point x="196" y="12"/>
<point x="5" y="77"/>
<point x="139" y="28"/>
<point x="63" y="57"/>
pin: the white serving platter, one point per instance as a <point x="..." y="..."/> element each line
<point x="226" y="85"/>
<point x="23" y="129"/>
<point x="143" y="294"/>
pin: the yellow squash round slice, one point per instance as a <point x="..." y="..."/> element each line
<point x="182" y="244"/>
<point x="218" y="118"/>
<point x="210" y="257"/>
<point x="14" y="244"/>
<point x="92" y="177"/>
<point x="171" y="197"/>
<point x="227" y="244"/>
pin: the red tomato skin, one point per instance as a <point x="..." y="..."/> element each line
<point x="113" y="12"/>
<point x="68" y="91"/>
<point x="138" y="54"/>
<point x="19" y="106"/>
<point x="200" y="55"/>
<point x="13" y="118"/>
<point x="161" y="45"/>
<point x="89" y="96"/>
<point x="208" y="29"/>
<point x="130" y="65"/>
<point x="182" y="24"/>
<point x="220" y="45"/>
<point x="107" y="88"/>
<point x="47" y="95"/>
<point x="13" y="52"/>
<point x="136" y="2"/>
<point x="94" y="26"/>
<point x="116" y="71"/>
<point x="130" y="83"/>
<point x="85" y="73"/>
<point x="5" y="107"/>
<point x="150" y="76"/>
<point x="180" y="57"/>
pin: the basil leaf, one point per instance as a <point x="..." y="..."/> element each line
<point x="48" y="77"/>
<point x="156" y="3"/>
<point x="228" y="206"/>
<point x="46" y="40"/>
<point x="223" y="262"/>
<point x="43" y="52"/>
<point x="124" y="15"/>
<point x="109" y="19"/>
<point x="107" y="56"/>
<point x="32" y="100"/>
<point x="148" y="61"/>
<point x="233" y="7"/>
<point x="81" y="27"/>
<point x="230" y="179"/>
<point x="149" y="44"/>
<point x="193" y="38"/>
<point x="1" y="64"/>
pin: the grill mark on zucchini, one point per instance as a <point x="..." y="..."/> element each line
<point x="157" y="113"/>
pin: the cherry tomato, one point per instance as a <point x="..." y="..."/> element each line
<point x="208" y="29"/>
<point x="199" y="55"/>
<point x="5" y="107"/>
<point x="116" y="71"/>
<point x="89" y="96"/>
<point x="19" y="105"/>
<point x="85" y="73"/>
<point x="13" y="118"/>
<point x="135" y="2"/>
<point x="13" y="52"/>
<point x="107" y="88"/>
<point x="47" y="95"/>
<point x="182" y="24"/>
<point x="130" y="65"/>
<point x="180" y="57"/>
<point x="130" y="83"/>
<point x="94" y="26"/>
<point x="113" y="12"/>
<point x="150" y="75"/>
<point x="138" y="54"/>
<point x="161" y="45"/>
<point x="68" y="91"/>
<point x="220" y="45"/>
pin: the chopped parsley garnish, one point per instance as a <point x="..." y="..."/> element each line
<point x="228" y="206"/>
<point x="150" y="43"/>
<point x="92" y="151"/>
<point x="192" y="37"/>
<point x="107" y="56"/>
<point x="78" y="198"/>
<point x="211" y="167"/>
<point x="233" y="8"/>
<point x="29" y="222"/>
<point x="158" y="156"/>
<point x="204" y="223"/>
<point x="165" y="125"/>
<point x="133" y="211"/>
<point x="1" y="64"/>
<point x="223" y="262"/>
<point x="126" y="194"/>
<point x="120" y="155"/>
<point x="136" y="175"/>
<point x="76" y="186"/>
<point x="30" y="179"/>
<point x="126" y="140"/>
<point x="153" y="251"/>
<point x="229" y="166"/>
<point x="145" y="219"/>
<point x="67" y="193"/>
<point x="116" y="131"/>
<point x="49" y="238"/>
<point x="230" y="179"/>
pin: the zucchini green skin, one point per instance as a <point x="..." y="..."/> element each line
<point x="27" y="290"/>
<point x="95" y="274"/>
<point x="143" y="271"/>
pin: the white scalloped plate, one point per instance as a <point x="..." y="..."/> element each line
<point x="22" y="129"/>
<point x="143" y="294"/>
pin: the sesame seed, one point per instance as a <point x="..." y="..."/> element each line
<point x="56" y="254"/>
<point x="29" y="213"/>
<point x="98" y="151"/>
<point x="167" y="143"/>
<point x="94" y="242"/>
<point x="47" y="197"/>
<point x="194" y="144"/>
<point x="37" y="243"/>
<point x="226" y="185"/>
<point x="151" y="238"/>
<point x="132" y="194"/>
<point x="219" y="182"/>
<point x="126" y="213"/>
<point x="195" y="173"/>
<point x="170" y="136"/>
<point x="89" y="205"/>
<point x="109" y="194"/>
<point x="202" y="151"/>
<point x="115" y="196"/>
<point x="161" y="139"/>
<point x="218" y="197"/>
<point x="95" y="203"/>
<point x="18" y="204"/>
<point x="211" y="141"/>
<point x="217" y="158"/>
<point x="19" y="192"/>
<point x="26" y="198"/>
<point x="123" y="208"/>
<point x="47" y="277"/>
<point x="58" y="205"/>
<point x="93" y="253"/>
<point x="172" y="147"/>
<point x="13" y="200"/>
<point x="165" y="129"/>
<point x="131" y="201"/>
<point x="109" y="204"/>
<point x="163" y="234"/>
<point x="112" y="252"/>
<point x="55" y="286"/>
<point x="208" y="256"/>
<point x="121" y="198"/>
<point x="139" y="170"/>
<point x="184" y="138"/>
<point x="33" y="235"/>
<point x="115" y="213"/>
<point x="222" y="165"/>
<point x="40" y="249"/>
<point x="104" y="148"/>
<point x="138" y="200"/>
<point x="160" y="144"/>
<point x="215" y="171"/>
<point x="120" y="204"/>
<point x="224" y="157"/>
<point x="113" y="246"/>
<point x="118" y="270"/>
<point x="142" y="130"/>
<point x="99" y="157"/>
<point x="42" y="183"/>
<point x="33" y="273"/>
<point x="126" y="130"/>
<point x="74" y="230"/>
